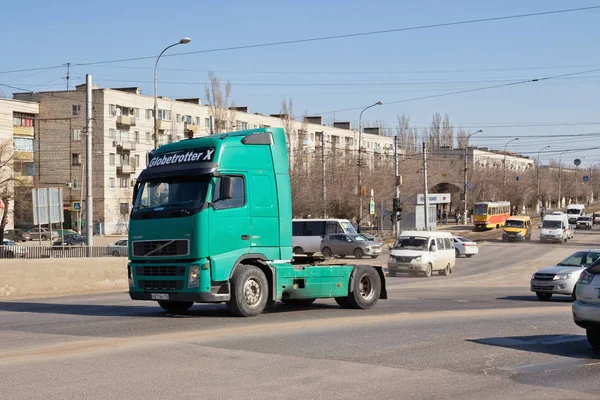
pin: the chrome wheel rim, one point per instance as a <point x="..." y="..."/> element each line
<point x="252" y="292"/>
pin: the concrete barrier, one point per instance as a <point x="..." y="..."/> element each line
<point x="27" y="278"/>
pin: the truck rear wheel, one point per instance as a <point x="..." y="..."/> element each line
<point x="176" y="307"/>
<point x="366" y="288"/>
<point x="249" y="291"/>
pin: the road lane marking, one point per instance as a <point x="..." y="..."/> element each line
<point x="85" y="347"/>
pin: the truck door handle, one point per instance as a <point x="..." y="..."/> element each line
<point x="245" y="237"/>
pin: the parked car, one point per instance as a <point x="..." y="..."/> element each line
<point x="42" y="233"/>
<point x="584" y="222"/>
<point x="345" y="244"/>
<point x="11" y="250"/>
<point x="372" y="238"/>
<point x="71" y="240"/>
<point x="119" y="248"/>
<point x="562" y="278"/>
<point x="597" y="218"/>
<point x="465" y="247"/>
<point x="586" y="308"/>
<point x="17" y="235"/>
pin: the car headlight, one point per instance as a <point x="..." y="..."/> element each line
<point x="559" y="277"/>
<point x="519" y="233"/>
<point x="416" y="260"/>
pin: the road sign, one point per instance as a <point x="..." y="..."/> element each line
<point x="586" y="178"/>
<point x="470" y="185"/>
<point x="372" y="207"/>
<point x="47" y="206"/>
<point x="577" y="161"/>
<point x="517" y="179"/>
<point x="76" y="206"/>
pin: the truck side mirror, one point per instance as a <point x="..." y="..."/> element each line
<point x="226" y="188"/>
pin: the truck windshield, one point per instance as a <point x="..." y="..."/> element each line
<point x="551" y="224"/>
<point x="411" y="242"/>
<point x="170" y="197"/>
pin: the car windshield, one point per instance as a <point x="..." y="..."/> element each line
<point x="584" y="219"/>
<point x="511" y="223"/>
<point x="480" y="209"/>
<point x="546" y="224"/>
<point x="581" y="258"/>
<point x="411" y="242"/>
<point x="360" y="238"/>
<point x="170" y="197"/>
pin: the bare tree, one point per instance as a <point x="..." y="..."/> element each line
<point x="435" y="131"/>
<point x="219" y="104"/>
<point x="287" y="119"/>
<point x="447" y="132"/>
<point x="7" y="182"/>
<point x="402" y="129"/>
<point x="462" y="139"/>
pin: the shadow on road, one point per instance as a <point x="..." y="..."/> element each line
<point x="99" y="310"/>
<point x="554" y="299"/>
<point x="572" y="346"/>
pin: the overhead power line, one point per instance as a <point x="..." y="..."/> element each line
<point x="333" y="37"/>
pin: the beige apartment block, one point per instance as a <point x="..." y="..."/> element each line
<point x="17" y="138"/>
<point x="122" y="135"/>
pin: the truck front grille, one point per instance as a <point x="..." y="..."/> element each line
<point x="160" y="285"/>
<point x="161" y="248"/>
<point x="160" y="270"/>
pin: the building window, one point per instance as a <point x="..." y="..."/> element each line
<point x="148" y="137"/>
<point x="111" y="183"/>
<point x="20" y="119"/>
<point x="124" y="135"/>
<point x="111" y="159"/>
<point x="111" y="133"/>
<point x="164" y="115"/>
<point x="124" y="208"/>
<point x="137" y="160"/>
<point x="187" y="118"/>
<point x="76" y="134"/>
<point x="241" y="125"/>
<point x="76" y="109"/>
<point x="207" y="122"/>
<point x="124" y="183"/>
<point x="148" y="114"/>
<point x="265" y="126"/>
<point x="178" y="119"/>
<point x="169" y="138"/>
<point x="198" y="121"/>
<point x="137" y="112"/>
<point x="23" y="144"/>
<point x="76" y="159"/>
<point x="76" y="185"/>
<point x="136" y="136"/>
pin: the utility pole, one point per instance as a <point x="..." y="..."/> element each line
<point x="465" y="188"/>
<point x="323" y="171"/>
<point x="397" y="182"/>
<point x="89" y="207"/>
<point x="68" y="74"/>
<point x="425" y="191"/>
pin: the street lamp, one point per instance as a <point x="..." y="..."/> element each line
<point x="360" y="158"/>
<point x="184" y="40"/>
<point x="504" y="180"/>
<point x="537" y="169"/>
<point x="465" y="175"/>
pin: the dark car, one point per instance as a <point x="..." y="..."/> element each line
<point x="17" y="235"/>
<point x="71" y="240"/>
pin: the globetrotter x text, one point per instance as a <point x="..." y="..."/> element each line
<point x="182" y="157"/>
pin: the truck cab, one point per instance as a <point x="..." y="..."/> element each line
<point x="212" y="222"/>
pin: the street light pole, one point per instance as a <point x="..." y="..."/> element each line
<point x="537" y="169"/>
<point x="504" y="180"/>
<point x="465" y="176"/>
<point x="184" y="40"/>
<point x="559" y="202"/>
<point x="360" y="159"/>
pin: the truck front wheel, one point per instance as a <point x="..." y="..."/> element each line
<point x="249" y="291"/>
<point x="366" y="288"/>
<point x="176" y="307"/>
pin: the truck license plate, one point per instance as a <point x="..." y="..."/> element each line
<point x="159" y="296"/>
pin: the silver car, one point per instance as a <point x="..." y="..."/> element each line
<point x="346" y="244"/>
<point x="562" y="278"/>
<point x="586" y="309"/>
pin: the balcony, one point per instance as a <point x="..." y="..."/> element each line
<point x="190" y="127"/>
<point x="126" y="146"/>
<point x="125" y="120"/>
<point x="163" y="125"/>
<point x="23" y="130"/>
<point x="126" y="169"/>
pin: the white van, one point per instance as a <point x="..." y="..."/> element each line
<point x="307" y="233"/>
<point x="575" y="211"/>
<point x="421" y="252"/>
<point x="556" y="228"/>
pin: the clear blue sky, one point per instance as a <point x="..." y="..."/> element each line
<point x="334" y="74"/>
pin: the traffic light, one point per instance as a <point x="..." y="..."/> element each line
<point x="396" y="205"/>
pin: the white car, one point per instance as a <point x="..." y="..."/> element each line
<point x="586" y="309"/>
<point x="465" y="247"/>
<point x="11" y="250"/>
<point x="119" y="248"/>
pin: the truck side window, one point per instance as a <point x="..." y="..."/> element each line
<point x="239" y="194"/>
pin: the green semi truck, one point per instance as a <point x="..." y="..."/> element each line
<point x="212" y="222"/>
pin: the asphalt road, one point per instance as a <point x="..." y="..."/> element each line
<point x="478" y="333"/>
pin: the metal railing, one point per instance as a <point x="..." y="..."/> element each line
<point x="21" y="252"/>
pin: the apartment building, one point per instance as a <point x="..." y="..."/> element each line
<point x="482" y="157"/>
<point x="122" y="135"/>
<point x="17" y="140"/>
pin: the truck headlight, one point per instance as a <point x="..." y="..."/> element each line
<point x="194" y="278"/>
<point x="560" y="277"/>
<point x="130" y="276"/>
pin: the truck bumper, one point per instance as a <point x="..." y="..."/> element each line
<point x="202" y="297"/>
